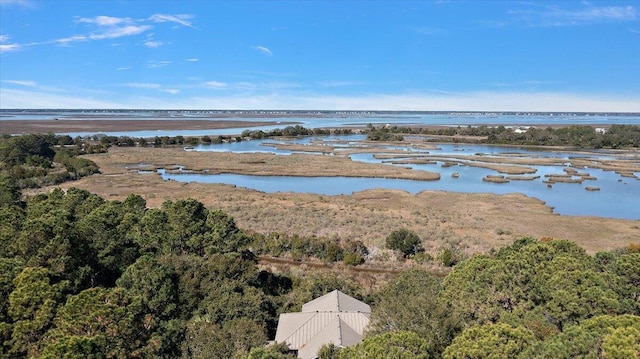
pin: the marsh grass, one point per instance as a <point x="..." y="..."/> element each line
<point x="439" y="218"/>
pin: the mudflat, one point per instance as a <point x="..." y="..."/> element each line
<point x="124" y="124"/>
<point x="473" y="223"/>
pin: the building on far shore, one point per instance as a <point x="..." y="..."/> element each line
<point x="333" y="318"/>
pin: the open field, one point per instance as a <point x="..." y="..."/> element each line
<point x="472" y="223"/>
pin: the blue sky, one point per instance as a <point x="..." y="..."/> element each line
<point x="322" y="55"/>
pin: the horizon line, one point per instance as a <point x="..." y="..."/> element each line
<point x="516" y="112"/>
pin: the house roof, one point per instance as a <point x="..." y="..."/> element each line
<point x="333" y="318"/>
<point x="336" y="301"/>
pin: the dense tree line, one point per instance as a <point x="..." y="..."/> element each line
<point x="84" y="277"/>
<point x="161" y="141"/>
<point x="41" y="160"/>
<point x="582" y="136"/>
<point x="533" y="299"/>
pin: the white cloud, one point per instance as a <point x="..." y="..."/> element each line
<point x="32" y="85"/>
<point x="10" y="98"/>
<point x="143" y="85"/>
<point x="432" y="101"/>
<point x="106" y="20"/>
<point x="153" y="44"/>
<point x="9" y="48"/>
<point x="264" y="50"/>
<point x="215" y="84"/>
<point x="106" y="27"/>
<point x="265" y="86"/>
<point x="21" y="83"/>
<point x="339" y="83"/>
<point x="556" y="16"/>
<point x="606" y="13"/>
<point x="151" y="86"/>
<point x="68" y="40"/>
<point x="123" y="68"/>
<point x="26" y="3"/>
<point x="192" y="60"/>
<point x="116" y="32"/>
<point x="472" y="101"/>
<point x="110" y="32"/>
<point x="157" y="64"/>
<point x="182" y="19"/>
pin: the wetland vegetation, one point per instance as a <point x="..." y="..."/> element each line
<point x="169" y="269"/>
<point x="84" y="276"/>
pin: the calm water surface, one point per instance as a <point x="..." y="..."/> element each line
<point x="618" y="197"/>
<point x="457" y="119"/>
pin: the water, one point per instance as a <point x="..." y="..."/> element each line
<point x="350" y="120"/>
<point x="619" y="197"/>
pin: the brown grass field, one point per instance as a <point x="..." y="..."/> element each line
<point x="472" y="223"/>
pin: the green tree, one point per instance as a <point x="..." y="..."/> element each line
<point x="52" y="241"/>
<point x="199" y="277"/>
<point x="585" y="340"/>
<point x="11" y="220"/>
<point x="100" y="322"/>
<point x="152" y="288"/>
<point x="400" y="344"/>
<point x="9" y="269"/>
<point x="10" y="194"/>
<point x="405" y="241"/>
<point x="410" y="303"/>
<point x="622" y="343"/>
<point x="80" y="202"/>
<point x="234" y="300"/>
<point x="573" y="294"/>
<point x="557" y="277"/>
<point x="273" y="351"/>
<point x="105" y="231"/>
<point x="32" y="307"/>
<point x="329" y="351"/>
<point x="222" y="236"/>
<point x="151" y="232"/>
<point x="489" y="341"/>
<point x="233" y="339"/>
<point x="187" y="224"/>
<point x="626" y="269"/>
<point x="74" y="347"/>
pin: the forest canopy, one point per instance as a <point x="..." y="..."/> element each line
<point x="81" y="276"/>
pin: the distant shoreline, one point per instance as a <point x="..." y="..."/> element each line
<point x="121" y="124"/>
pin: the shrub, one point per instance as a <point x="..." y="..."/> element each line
<point x="405" y="241"/>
